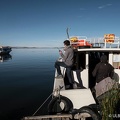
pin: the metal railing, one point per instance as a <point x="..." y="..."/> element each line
<point x="98" y="42"/>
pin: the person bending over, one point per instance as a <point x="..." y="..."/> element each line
<point x="104" y="73"/>
<point x="103" y="69"/>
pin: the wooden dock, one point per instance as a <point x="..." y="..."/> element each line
<point x="82" y="116"/>
<point x="50" y="117"/>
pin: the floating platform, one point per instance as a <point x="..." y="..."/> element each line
<point x="82" y="116"/>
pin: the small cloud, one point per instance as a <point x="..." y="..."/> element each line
<point x="108" y="4"/>
<point x="100" y="7"/>
<point x="104" y="6"/>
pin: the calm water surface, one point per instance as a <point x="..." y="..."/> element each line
<point x="26" y="80"/>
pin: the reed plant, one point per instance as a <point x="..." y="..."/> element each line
<point x="108" y="103"/>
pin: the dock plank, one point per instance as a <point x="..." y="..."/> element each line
<point x="52" y="117"/>
<point x="82" y="116"/>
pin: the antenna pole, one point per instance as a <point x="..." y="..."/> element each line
<point x="67" y="33"/>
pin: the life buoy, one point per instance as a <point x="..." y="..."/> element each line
<point x="93" y="113"/>
<point x="60" y="105"/>
<point x="109" y="38"/>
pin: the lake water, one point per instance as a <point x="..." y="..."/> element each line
<point x="26" y="80"/>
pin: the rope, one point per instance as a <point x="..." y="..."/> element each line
<point x="42" y="104"/>
<point x="60" y="87"/>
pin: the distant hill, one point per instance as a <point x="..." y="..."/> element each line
<point x="36" y="47"/>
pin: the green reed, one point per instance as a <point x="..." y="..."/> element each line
<point x="108" y="103"/>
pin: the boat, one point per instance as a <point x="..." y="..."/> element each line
<point x="79" y="102"/>
<point x="5" y="50"/>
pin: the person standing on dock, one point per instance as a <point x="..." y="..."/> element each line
<point x="67" y="61"/>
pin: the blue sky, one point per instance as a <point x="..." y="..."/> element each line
<point x="43" y="23"/>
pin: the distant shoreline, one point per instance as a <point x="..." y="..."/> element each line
<point x="36" y="47"/>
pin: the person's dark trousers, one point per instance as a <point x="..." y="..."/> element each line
<point x="79" y="78"/>
<point x="68" y="70"/>
<point x="69" y="74"/>
<point x="57" y="66"/>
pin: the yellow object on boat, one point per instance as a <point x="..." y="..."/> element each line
<point x="109" y="38"/>
<point x="74" y="39"/>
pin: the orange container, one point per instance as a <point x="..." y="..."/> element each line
<point x="81" y="43"/>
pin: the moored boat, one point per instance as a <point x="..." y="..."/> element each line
<point x="80" y="102"/>
<point x="5" y="50"/>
